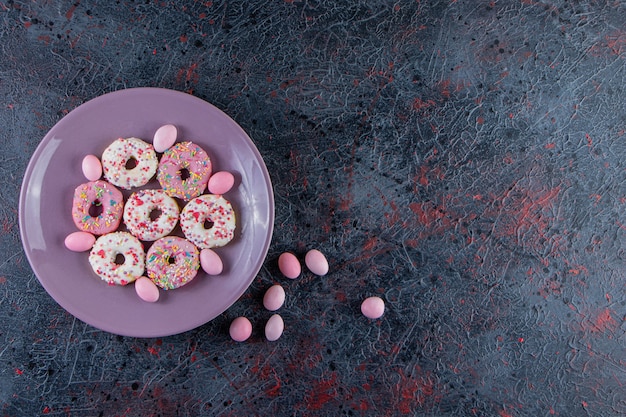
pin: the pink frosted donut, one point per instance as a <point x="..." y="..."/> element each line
<point x="208" y="221"/>
<point x="184" y="170"/>
<point x="139" y="210"/>
<point x="172" y="262"/>
<point x="106" y="251"/>
<point x="97" y="207"/>
<point x="129" y="163"/>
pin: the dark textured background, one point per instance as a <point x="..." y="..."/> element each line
<point x="464" y="160"/>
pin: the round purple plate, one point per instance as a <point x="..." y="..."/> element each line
<point x="55" y="170"/>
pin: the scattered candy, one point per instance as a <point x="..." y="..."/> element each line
<point x="146" y="289"/>
<point x="240" y="329"/>
<point x="221" y="182"/>
<point x="373" y="307"/>
<point x="274" y="328"/>
<point x="211" y="262"/>
<point x="289" y="265"/>
<point x="274" y="297"/>
<point x="164" y="137"/>
<point x="92" y="168"/>
<point x="80" y="241"/>
<point x="316" y="262"/>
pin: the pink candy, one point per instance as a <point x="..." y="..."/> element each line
<point x="240" y="329"/>
<point x="221" y="182"/>
<point x="289" y="265"/>
<point x="92" y="168"/>
<point x="211" y="262"/>
<point x="373" y="307"/>
<point x="274" y="297"/>
<point x="146" y="289"/>
<point x="80" y="241"/>
<point x="164" y="137"/>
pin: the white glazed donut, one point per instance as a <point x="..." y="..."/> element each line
<point x="139" y="208"/>
<point x="105" y="251"/>
<point x="122" y="152"/>
<point x="214" y="210"/>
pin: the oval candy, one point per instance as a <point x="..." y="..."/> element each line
<point x="211" y="262"/>
<point x="373" y="307"/>
<point x="274" y="328"/>
<point x="92" y="167"/>
<point x="80" y="241"/>
<point x="316" y="262"/>
<point x="240" y="329"/>
<point x="221" y="182"/>
<point x="274" y="297"/>
<point x="164" y="138"/>
<point x="146" y="289"/>
<point x="289" y="265"/>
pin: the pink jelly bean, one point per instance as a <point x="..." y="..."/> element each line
<point x="80" y="241"/>
<point x="221" y="182"/>
<point x="274" y="328"/>
<point x="164" y="137"/>
<point x="240" y="329"/>
<point x="146" y="289"/>
<point x="289" y="265"/>
<point x="211" y="262"/>
<point x="92" y="168"/>
<point x="373" y="307"/>
<point x="316" y="262"/>
<point x="274" y="297"/>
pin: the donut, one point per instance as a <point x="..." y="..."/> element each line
<point x="129" y="163"/>
<point x="184" y="170"/>
<point x="208" y="221"/>
<point x="112" y="268"/>
<point x="140" y="208"/>
<point x="172" y="262"/>
<point x="97" y="207"/>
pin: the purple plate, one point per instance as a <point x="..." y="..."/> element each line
<point x="55" y="170"/>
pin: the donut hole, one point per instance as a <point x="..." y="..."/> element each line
<point x="171" y="260"/>
<point x="155" y="214"/>
<point x="95" y="209"/>
<point x="131" y="163"/>
<point x="184" y="174"/>
<point x="119" y="259"/>
<point x="208" y="224"/>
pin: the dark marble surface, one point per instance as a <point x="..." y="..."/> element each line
<point x="464" y="160"/>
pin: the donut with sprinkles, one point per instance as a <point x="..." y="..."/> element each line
<point x="208" y="221"/>
<point x="129" y="163"/>
<point x="184" y="170"/>
<point x="140" y="209"/>
<point x="118" y="258"/>
<point x="97" y="207"/>
<point x="172" y="262"/>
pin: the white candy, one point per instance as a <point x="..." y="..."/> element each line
<point x="274" y="328"/>
<point x="316" y="262"/>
